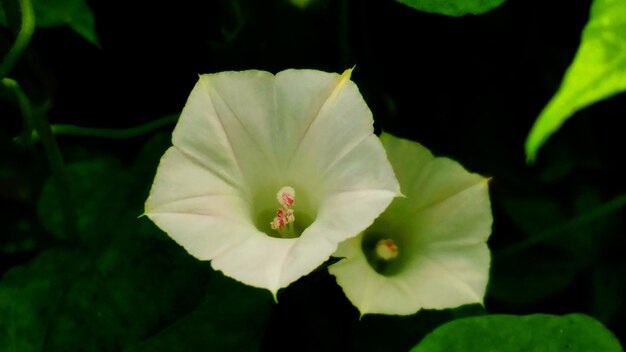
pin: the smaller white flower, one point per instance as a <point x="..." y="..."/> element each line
<point x="427" y="250"/>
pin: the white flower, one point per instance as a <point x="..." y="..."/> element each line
<point x="267" y="174"/>
<point x="427" y="250"/>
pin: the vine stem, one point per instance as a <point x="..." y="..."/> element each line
<point x="37" y="118"/>
<point x="23" y="38"/>
<point x="72" y="130"/>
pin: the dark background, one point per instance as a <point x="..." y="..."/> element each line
<point x="468" y="88"/>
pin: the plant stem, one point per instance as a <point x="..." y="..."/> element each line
<point x="37" y="118"/>
<point x="72" y="130"/>
<point x="23" y="38"/>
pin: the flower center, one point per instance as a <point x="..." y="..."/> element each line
<point x="381" y="248"/>
<point x="386" y="249"/>
<point x="284" y="219"/>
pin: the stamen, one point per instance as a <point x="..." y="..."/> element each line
<point x="279" y="220"/>
<point x="286" y="196"/>
<point x="289" y="216"/>
<point x="386" y="249"/>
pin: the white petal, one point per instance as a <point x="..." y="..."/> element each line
<point x="226" y="125"/>
<point x="347" y="212"/>
<point x="448" y="277"/>
<point x="195" y="207"/>
<point x="368" y="290"/>
<point x="427" y="179"/>
<point x="440" y="227"/>
<point x="300" y="96"/>
<point x="440" y="280"/>
<point x="337" y="136"/>
<point x="461" y="219"/>
<point x="210" y="220"/>
<point x="273" y="263"/>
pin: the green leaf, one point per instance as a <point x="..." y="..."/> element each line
<point x="537" y="332"/>
<point x="377" y="332"/>
<point x="126" y="285"/>
<point x="139" y="292"/>
<point x="231" y="318"/>
<point x="96" y="191"/>
<point x="3" y="17"/>
<point x="74" y="13"/>
<point x="29" y="296"/>
<point x="597" y="72"/>
<point x="453" y="8"/>
<point x="530" y="275"/>
<point x="108" y="195"/>
<point x="533" y="214"/>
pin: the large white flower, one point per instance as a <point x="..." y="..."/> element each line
<point x="427" y="250"/>
<point x="267" y="174"/>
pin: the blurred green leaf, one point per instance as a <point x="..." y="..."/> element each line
<point x="398" y="333"/>
<point x="545" y="221"/>
<point x="3" y="17"/>
<point x="95" y="186"/>
<point x="538" y="332"/>
<point x="108" y="195"/>
<point x="454" y="8"/>
<point x="232" y="317"/>
<point x="74" y="13"/>
<point x="558" y="246"/>
<point x="137" y="289"/>
<point x="608" y="290"/>
<point x="597" y="72"/>
<point x="530" y="275"/>
<point x="533" y="214"/>
<point x="29" y="297"/>
<point x="126" y="284"/>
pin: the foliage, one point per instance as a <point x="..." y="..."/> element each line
<point x="83" y="129"/>
<point x="597" y="72"/>
<point x="538" y="332"/>
<point x="453" y="7"/>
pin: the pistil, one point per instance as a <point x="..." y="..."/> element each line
<point x="386" y="250"/>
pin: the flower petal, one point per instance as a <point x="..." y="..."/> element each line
<point x="428" y="179"/>
<point x="272" y="263"/>
<point x="341" y="124"/>
<point x="449" y="277"/>
<point x="195" y="207"/>
<point x="244" y="135"/>
<point x="369" y="291"/>
<point x="300" y="97"/>
<point x="461" y="219"/>
<point x="211" y="221"/>
<point x="225" y="125"/>
<point x="441" y="280"/>
<point x="441" y="230"/>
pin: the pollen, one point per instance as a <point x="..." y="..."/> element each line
<point x="386" y="249"/>
<point x="286" y="196"/>
<point x="285" y="217"/>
